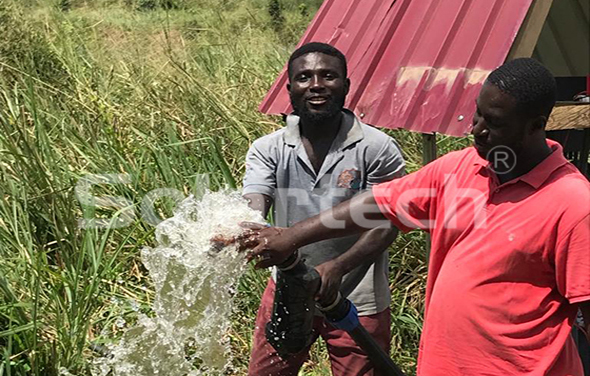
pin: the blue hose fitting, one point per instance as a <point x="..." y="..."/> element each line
<point x="342" y="314"/>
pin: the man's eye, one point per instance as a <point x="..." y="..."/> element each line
<point x="302" y="78"/>
<point x="493" y="123"/>
<point x="475" y="118"/>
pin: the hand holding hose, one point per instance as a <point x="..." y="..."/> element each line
<point x="331" y="277"/>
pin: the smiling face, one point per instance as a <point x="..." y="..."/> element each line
<point x="498" y="123"/>
<point x="317" y="86"/>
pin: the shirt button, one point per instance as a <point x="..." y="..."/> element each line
<point x="497" y="190"/>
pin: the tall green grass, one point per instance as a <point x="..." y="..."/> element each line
<point x="164" y="95"/>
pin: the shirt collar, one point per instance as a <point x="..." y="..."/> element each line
<point x="350" y="131"/>
<point x="541" y="172"/>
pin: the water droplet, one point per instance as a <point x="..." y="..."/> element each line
<point x="134" y="305"/>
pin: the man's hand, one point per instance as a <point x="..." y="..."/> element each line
<point x="274" y="246"/>
<point x="269" y="245"/>
<point x="246" y="240"/>
<point x="331" y="275"/>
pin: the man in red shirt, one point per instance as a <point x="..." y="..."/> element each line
<point x="510" y="226"/>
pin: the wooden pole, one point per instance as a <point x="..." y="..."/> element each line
<point x="428" y="155"/>
<point x="529" y="32"/>
<point x="584" y="153"/>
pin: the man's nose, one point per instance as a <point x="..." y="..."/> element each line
<point x="316" y="83"/>
<point x="479" y="128"/>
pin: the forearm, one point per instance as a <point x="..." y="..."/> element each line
<point x="354" y="216"/>
<point x="369" y="246"/>
<point x="260" y="202"/>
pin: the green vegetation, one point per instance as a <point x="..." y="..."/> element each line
<point x="161" y="90"/>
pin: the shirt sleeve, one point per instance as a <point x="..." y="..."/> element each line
<point x="388" y="164"/>
<point x="410" y="202"/>
<point x="572" y="263"/>
<point x="260" y="176"/>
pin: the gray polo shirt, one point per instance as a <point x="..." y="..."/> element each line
<point x="360" y="156"/>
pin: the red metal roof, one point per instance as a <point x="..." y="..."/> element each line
<point x="414" y="64"/>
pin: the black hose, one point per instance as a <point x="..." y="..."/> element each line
<point x="381" y="360"/>
<point x="343" y="315"/>
<point x="290" y="328"/>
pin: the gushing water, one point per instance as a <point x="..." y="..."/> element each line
<point x="193" y="284"/>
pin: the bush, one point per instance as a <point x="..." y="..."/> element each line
<point x="303" y="10"/>
<point x="24" y="49"/>
<point x="155" y="4"/>
<point x="275" y="11"/>
<point x="64" y="5"/>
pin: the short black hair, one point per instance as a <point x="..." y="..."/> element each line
<point x="323" y="48"/>
<point x="529" y="82"/>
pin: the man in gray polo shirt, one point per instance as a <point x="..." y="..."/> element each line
<point x="324" y="156"/>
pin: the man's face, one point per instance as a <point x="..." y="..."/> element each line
<point x="497" y="125"/>
<point x="317" y="86"/>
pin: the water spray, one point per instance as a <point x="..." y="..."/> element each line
<point x="187" y="331"/>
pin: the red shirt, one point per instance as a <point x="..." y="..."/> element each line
<point x="508" y="263"/>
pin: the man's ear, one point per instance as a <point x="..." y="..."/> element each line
<point x="289" y="87"/>
<point x="346" y="86"/>
<point x="538" y="123"/>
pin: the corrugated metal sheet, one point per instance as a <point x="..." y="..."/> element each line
<point x="414" y="64"/>
<point x="564" y="43"/>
